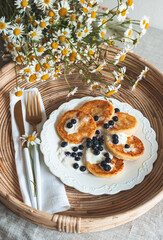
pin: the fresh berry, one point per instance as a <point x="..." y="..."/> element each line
<point x="103" y="163"/>
<point x="106" y="125"/>
<point x="73" y="154"/>
<point x="106" y="154"/>
<point x="89" y="144"/>
<point x="111" y="122"/>
<point x="96" y="118"/>
<point x="115" y="141"/>
<point x="127" y="146"/>
<point x="75" y="165"/>
<point x="115" y="118"/>
<point x="73" y="121"/>
<point x="75" y="149"/>
<point x="97" y="132"/>
<point x="81" y="147"/>
<point x="107" y="168"/>
<point x="96" y="152"/>
<point x="94" y="138"/>
<point x="114" y="136"/>
<point x="101" y="141"/>
<point x="107" y="159"/>
<point x="100" y="148"/>
<point x="77" y="158"/>
<point x="80" y="154"/>
<point x="64" y="144"/>
<point x="94" y="147"/>
<point x="67" y="153"/>
<point x="88" y="140"/>
<point x="116" y="110"/>
<point x="69" y="125"/>
<point x="95" y="142"/>
<point x="82" y="168"/>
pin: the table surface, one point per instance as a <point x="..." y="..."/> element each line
<point x="148" y="226"/>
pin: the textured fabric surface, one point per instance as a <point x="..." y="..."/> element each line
<point x="146" y="227"/>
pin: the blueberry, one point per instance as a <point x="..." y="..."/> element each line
<point x="96" y="152"/>
<point x="97" y="132"/>
<point x="75" y="165"/>
<point x="100" y="148"/>
<point x="95" y="142"/>
<point x="107" y="168"/>
<point x="101" y="141"/>
<point x="106" y="125"/>
<point x="115" y="141"/>
<point x="94" y="147"/>
<point x="96" y="118"/>
<point x="107" y="159"/>
<point x="77" y="158"/>
<point x="88" y="140"/>
<point x="69" y="125"/>
<point x="106" y="154"/>
<point x="89" y="144"/>
<point x="115" y="118"/>
<point x="94" y="138"/>
<point x="111" y="122"/>
<point x="114" y="136"/>
<point x="81" y="147"/>
<point x="80" y="154"/>
<point x="73" y="154"/>
<point x="64" y="144"/>
<point x="75" y="149"/>
<point x="127" y="146"/>
<point x="73" y="121"/>
<point x="116" y="110"/>
<point x="82" y="168"/>
<point x="103" y="163"/>
<point x="67" y="153"/>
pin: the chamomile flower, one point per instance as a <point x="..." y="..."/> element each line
<point x="4" y="26"/>
<point x="18" y="19"/>
<point x="17" y="91"/>
<point x="79" y="34"/>
<point x="110" y="90"/>
<point x="63" y="8"/>
<point x="30" y="139"/>
<point x="119" y="76"/>
<point x="73" y="20"/>
<point x="144" y="72"/>
<point x="87" y="30"/>
<point x="6" y="56"/>
<point x="45" y="4"/>
<point x="128" y="32"/>
<point x="99" y="68"/>
<point x="22" y="5"/>
<point x="130" y="4"/>
<point x="35" y="34"/>
<point x="136" y="83"/>
<point x="144" y="23"/>
<point x="102" y="21"/>
<point x="44" y="75"/>
<point x="72" y="92"/>
<point x="122" y="12"/>
<point x="102" y="33"/>
<point x="16" y="33"/>
<point x="43" y="23"/>
<point x="33" y="77"/>
<point x="120" y="57"/>
<point x="19" y="58"/>
<point x="94" y="86"/>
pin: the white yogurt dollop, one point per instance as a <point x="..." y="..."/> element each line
<point x="122" y="138"/>
<point x="75" y="126"/>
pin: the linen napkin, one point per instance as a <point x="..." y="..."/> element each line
<point x="54" y="198"/>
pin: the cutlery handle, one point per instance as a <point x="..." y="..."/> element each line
<point x="30" y="178"/>
<point x="37" y="175"/>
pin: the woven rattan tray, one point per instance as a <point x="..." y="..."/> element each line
<point x="88" y="213"/>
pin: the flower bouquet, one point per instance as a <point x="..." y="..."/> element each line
<point x="51" y="37"/>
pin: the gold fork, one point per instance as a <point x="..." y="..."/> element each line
<point x="34" y="117"/>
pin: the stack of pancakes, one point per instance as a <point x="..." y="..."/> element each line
<point x="94" y="115"/>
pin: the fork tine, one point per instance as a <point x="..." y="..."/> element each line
<point x="38" y="106"/>
<point x="35" y="104"/>
<point x="32" y="113"/>
<point x="28" y="107"/>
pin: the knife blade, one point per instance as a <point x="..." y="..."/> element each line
<point x="30" y="179"/>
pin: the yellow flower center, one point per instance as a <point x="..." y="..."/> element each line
<point x="31" y="19"/>
<point x="10" y="46"/>
<point x="33" y="34"/>
<point x="32" y="78"/>
<point x="136" y="84"/>
<point x="120" y="75"/>
<point x="34" y="24"/>
<point x="64" y="51"/>
<point x="30" y="138"/>
<point x="102" y="34"/>
<point x="86" y="30"/>
<point x="82" y="1"/>
<point x="19" y="59"/>
<point x="94" y="86"/>
<point x="42" y="24"/>
<point x="85" y="10"/>
<point x="144" y="73"/>
<point x="104" y="21"/>
<point x="24" y="3"/>
<point x="110" y="92"/>
<point x="55" y="75"/>
<point x="46" y="65"/>
<point x="73" y="18"/>
<point x="90" y="52"/>
<point x="45" y="77"/>
<point x="72" y="56"/>
<point x="54" y="45"/>
<point x="93" y="14"/>
<point x="18" y="49"/>
<point x="146" y="25"/>
<point x="37" y="67"/>
<point x="18" y="20"/>
<point x="89" y="5"/>
<point x="5" y="37"/>
<point x="129" y="3"/>
<point x="123" y="13"/>
<point x="27" y="70"/>
<point x="111" y="43"/>
<point x="23" y="77"/>
<point x="64" y="32"/>
<point x="79" y="34"/>
<point x="118" y="80"/>
<point x="129" y="32"/>
<point x="63" y="12"/>
<point x="99" y="69"/>
<point x="32" y="57"/>
<point x="122" y="58"/>
<point x="46" y="1"/>
<point x="18" y="93"/>
<point x="2" y="25"/>
<point x="16" y="31"/>
<point x="144" y="21"/>
<point x="62" y="38"/>
<point x="40" y="49"/>
<point x="51" y="13"/>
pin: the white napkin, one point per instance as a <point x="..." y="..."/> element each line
<point x="54" y="198"/>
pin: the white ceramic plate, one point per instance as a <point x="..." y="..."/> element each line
<point x="133" y="172"/>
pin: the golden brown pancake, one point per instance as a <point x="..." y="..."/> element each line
<point x="126" y="124"/>
<point x="86" y="129"/>
<point x="135" y="151"/>
<point x="103" y="109"/>
<point x="96" y="170"/>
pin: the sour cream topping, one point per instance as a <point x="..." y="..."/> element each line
<point x="75" y="126"/>
<point x="122" y="138"/>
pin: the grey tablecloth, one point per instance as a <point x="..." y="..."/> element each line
<point x="147" y="227"/>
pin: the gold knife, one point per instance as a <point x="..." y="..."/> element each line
<point x="30" y="179"/>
